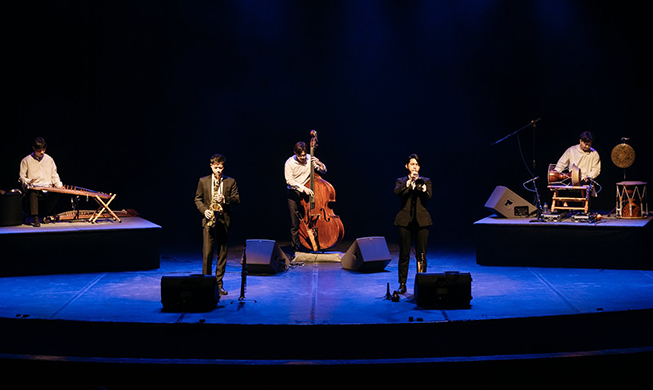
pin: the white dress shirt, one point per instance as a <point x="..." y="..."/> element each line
<point x="220" y="183"/>
<point x="297" y="174"/>
<point x="589" y="163"/>
<point x="44" y="171"/>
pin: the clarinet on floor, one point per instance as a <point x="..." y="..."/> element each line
<point x="243" y="275"/>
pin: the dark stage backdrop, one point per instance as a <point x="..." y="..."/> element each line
<point x="134" y="97"/>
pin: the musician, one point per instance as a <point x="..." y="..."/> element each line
<point x="297" y="171"/>
<point x="38" y="169"/>
<point x="583" y="156"/>
<point x="216" y="189"/>
<point x="413" y="219"/>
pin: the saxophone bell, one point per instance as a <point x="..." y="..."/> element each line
<point x="216" y="208"/>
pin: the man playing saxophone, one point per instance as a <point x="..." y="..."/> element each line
<point x="215" y="194"/>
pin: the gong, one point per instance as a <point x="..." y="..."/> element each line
<point x="623" y="155"/>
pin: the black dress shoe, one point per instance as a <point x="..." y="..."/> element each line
<point x="223" y="291"/>
<point x="36" y="222"/>
<point x="402" y="288"/>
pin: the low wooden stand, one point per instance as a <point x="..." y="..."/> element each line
<point x="561" y="202"/>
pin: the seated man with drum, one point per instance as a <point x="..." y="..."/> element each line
<point x="582" y="156"/>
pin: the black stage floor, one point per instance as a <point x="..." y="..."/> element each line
<point x="570" y="326"/>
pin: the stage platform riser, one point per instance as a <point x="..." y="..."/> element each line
<point x="117" y="248"/>
<point x="578" y="245"/>
<point x="319" y="342"/>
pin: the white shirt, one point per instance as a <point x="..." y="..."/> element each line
<point x="297" y="174"/>
<point x="589" y="163"/>
<point x="220" y="184"/>
<point x="44" y="171"/>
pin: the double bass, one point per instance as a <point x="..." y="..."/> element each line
<point x="320" y="228"/>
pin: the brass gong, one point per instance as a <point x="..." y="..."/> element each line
<point x="623" y="155"/>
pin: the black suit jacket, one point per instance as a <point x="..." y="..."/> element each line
<point x="203" y="197"/>
<point x="413" y="203"/>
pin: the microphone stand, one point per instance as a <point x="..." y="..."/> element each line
<point x="243" y="278"/>
<point x="540" y="217"/>
<point x="532" y="123"/>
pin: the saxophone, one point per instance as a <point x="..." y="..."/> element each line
<point x="216" y="208"/>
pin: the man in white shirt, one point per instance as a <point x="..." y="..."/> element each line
<point x="583" y="156"/>
<point x="297" y="171"/>
<point x="39" y="170"/>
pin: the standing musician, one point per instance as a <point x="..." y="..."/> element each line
<point x="583" y="156"/>
<point x="297" y="172"/>
<point x="413" y="219"/>
<point x="39" y="170"/>
<point x="215" y="195"/>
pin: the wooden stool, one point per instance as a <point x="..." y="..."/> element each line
<point x="559" y="201"/>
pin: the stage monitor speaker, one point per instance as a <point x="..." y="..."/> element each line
<point x="448" y="290"/>
<point x="507" y="203"/>
<point x="367" y="254"/>
<point x="11" y="208"/>
<point x="265" y="257"/>
<point x="194" y="292"/>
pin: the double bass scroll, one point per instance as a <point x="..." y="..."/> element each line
<point x="320" y="227"/>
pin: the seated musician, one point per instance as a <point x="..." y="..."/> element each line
<point x="583" y="156"/>
<point x="39" y="170"/>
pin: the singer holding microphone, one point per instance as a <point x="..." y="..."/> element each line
<point x="413" y="218"/>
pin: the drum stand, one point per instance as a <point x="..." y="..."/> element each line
<point x="560" y="201"/>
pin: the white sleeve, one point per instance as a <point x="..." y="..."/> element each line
<point x="288" y="174"/>
<point x="563" y="162"/>
<point x="56" y="180"/>
<point x="595" y="169"/>
<point x="22" y="172"/>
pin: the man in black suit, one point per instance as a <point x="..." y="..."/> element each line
<point x="413" y="219"/>
<point x="214" y="197"/>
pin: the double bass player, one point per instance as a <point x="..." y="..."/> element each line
<point x="297" y="171"/>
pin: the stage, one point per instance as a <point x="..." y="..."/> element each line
<point x="612" y="243"/>
<point x="79" y="246"/>
<point x="108" y="328"/>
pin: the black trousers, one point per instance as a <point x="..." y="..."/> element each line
<point x="49" y="199"/>
<point x="406" y="236"/>
<point x="296" y="213"/>
<point x="215" y="239"/>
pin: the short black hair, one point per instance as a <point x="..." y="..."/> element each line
<point x="416" y="157"/>
<point x="39" y="143"/>
<point x="587" y="136"/>
<point x="217" y="159"/>
<point x="299" y="147"/>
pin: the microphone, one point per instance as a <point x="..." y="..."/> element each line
<point x="535" y="121"/>
<point x="533" y="179"/>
